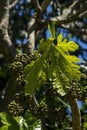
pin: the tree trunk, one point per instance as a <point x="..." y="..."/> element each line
<point x="6" y="46"/>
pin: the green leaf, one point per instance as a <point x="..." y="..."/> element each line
<point x="59" y="38"/>
<point x="52" y="29"/>
<point x="58" y="86"/>
<point x="42" y="46"/>
<point x="31" y="121"/>
<point x="9" y="123"/>
<point x="70" y="46"/>
<point x="55" y="64"/>
<point x="3" y="117"/>
<point x="36" y="77"/>
<point x="68" y="66"/>
<point x="5" y="127"/>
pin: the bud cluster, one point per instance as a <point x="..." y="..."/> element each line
<point x="33" y="107"/>
<point x="16" y="67"/>
<point x="74" y="91"/>
<point x="23" y="58"/>
<point x="42" y="110"/>
<point x="15" y="109"/>
<point x="20" y="80"/>
<point x="35" y="55"/>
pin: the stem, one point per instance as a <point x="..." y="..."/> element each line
<point x="76" y="116"/>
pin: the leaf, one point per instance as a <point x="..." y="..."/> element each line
<point x="72" y="46"/>
<point x="61" y="81"/>
<point x="68" y="46"/>
<point x="4" y="119"/>
<point x="9" y="123"/>
<point x="64" y="41"/>
<point x="42" y="46"/>
<point x="36" y="77"/>
<point x="31" y="121"/>
<point x="5" y="127"/>
<point x="59" y="38"/>
<point x="72" y="58"/>
<point x="55" y="64"/>
<point x="68" y="66"/>
<point x="52" y="29"/>
<point x="58" y="86"/>
<point x="49" y="28"/>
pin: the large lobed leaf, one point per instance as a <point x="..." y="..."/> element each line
<point x="67" y="47"/>
<point x="55" y="64"/>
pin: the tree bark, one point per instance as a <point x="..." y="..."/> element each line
<point x="76" y="116"/>
<point x="31" y="36"/>
<point x="6" y="46"/>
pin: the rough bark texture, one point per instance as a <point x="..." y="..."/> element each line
<point x="6" y="46"/>
<point x="76" y="116"/>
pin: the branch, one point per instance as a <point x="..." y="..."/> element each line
<point x="82" y="33"/>
<point x="13" y="4"/>
<point x="67" y="19"/>
<point x="6" y="46"/>
<point x="73" y="6"/>
<point x="44" y="5"/>
<point x="75" y="3"/>
<point x="76" y="116"/>
<point x="31" y="36"/>
<point x="83" y="14"/>
<point x="37" y="6"/>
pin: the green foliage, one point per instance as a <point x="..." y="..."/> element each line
<point x="55" y="64"/>
<point x="31" y="121"/>
<point x="28" y="122"/>
<point x="52" y="29"/>
<point x="8" y="122"/>
<point x="36" y="76"/>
